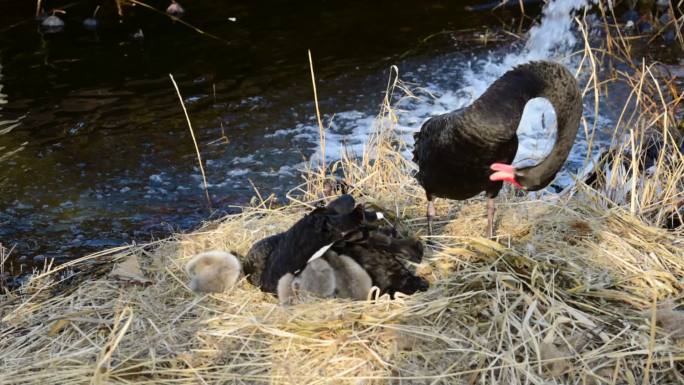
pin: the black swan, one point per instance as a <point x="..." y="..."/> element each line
<point x="457" y="151"/>
<point x="382" y="253"/>
<point x="276" y="262"/>
<point x="213" y="272"/>
<point x="288" y="252"/>
<point x="383" y="256"/>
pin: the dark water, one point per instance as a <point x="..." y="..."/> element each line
<point x="107" y="157"/>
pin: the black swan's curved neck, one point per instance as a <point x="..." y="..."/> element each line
<point x="500" y="108"/>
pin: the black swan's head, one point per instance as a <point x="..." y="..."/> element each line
<point x="332" y="226"/>
<point x="505" y="173"/>
<point x="527" y="178"/>
<point x="558" y="85"/>
<point x="344" y="204"/>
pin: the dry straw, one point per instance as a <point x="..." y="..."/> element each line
<point x="577" y="288"/>
<point x="194" y="141"/>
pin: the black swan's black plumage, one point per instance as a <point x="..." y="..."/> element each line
<point x="380" y="251"/>
<point x="383" y="254"/>
<point x="454" y="151"/>
<point x="288" y="252"/>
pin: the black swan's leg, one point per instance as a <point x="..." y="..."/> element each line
<point x="430" y="213"/>
<point x="491" y="208"/>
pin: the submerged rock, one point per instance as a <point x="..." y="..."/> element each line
<point x="90" y="23"/>
<point x="629" y="27"/>
<point x="669" y="35"/>
<point x="175" y="9"/>
<point x="138" y="35"/>
<point x="52" y="24"/>
<point x="664" y="19"/>
<point x="645" y="27"/>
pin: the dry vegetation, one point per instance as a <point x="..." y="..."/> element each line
<point x="578" y="287"/>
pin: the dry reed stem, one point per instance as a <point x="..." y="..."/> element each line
<point x="194" y="141"/>
<point x="321" y="129"/>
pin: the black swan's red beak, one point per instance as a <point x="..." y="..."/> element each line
<point x="505" y="173"/>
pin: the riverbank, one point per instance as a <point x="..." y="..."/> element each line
<point x="577" y="286"/>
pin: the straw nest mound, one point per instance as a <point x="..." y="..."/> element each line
<point x="569" y="292"/>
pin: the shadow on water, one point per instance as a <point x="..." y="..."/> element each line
<point x="108" y="158"/>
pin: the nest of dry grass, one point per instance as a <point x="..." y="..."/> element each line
<point x="580" y="287"/>
<point x="570" y="292"/>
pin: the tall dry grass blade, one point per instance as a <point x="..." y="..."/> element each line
<point x="194" y="141"/>
<point x="321" y="129"/>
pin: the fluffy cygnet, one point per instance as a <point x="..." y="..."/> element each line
<point x="213" y="272"/>
<point x="316" y="280"/>
<point x="286" y="294"/>
<point x="351" y="280"/>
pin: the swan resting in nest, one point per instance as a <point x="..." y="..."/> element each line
<point x="339" y="251"/>
<point x="289" y="252"/>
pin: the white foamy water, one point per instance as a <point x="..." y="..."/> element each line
<point x="3" y="97"/>
<point x="455" y="83"/>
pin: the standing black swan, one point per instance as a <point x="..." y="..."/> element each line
<point x="456" y="151"/>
